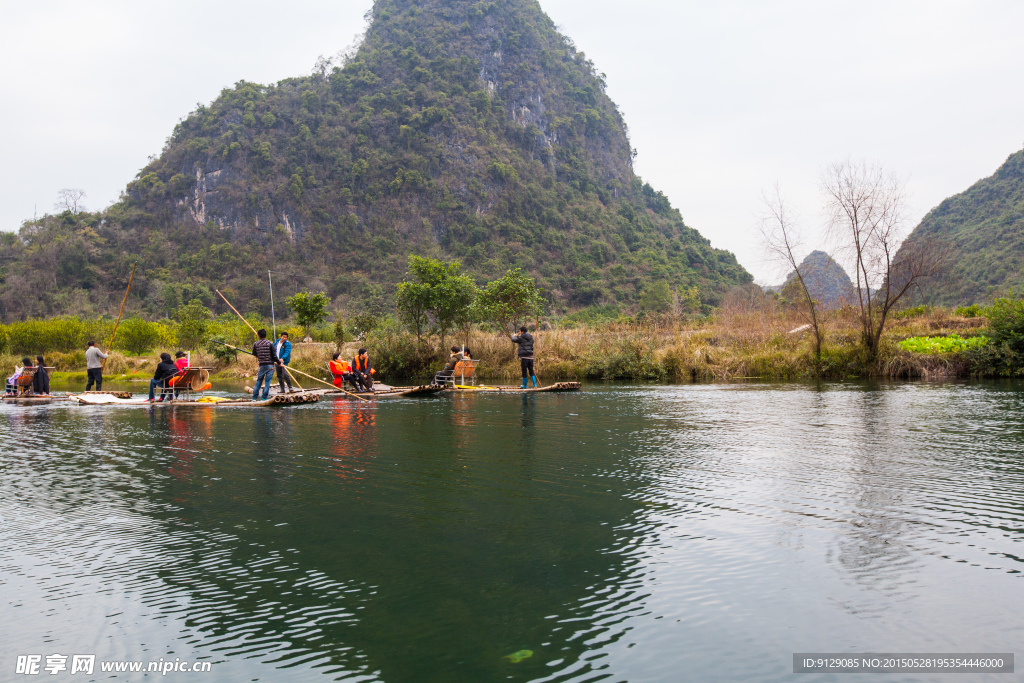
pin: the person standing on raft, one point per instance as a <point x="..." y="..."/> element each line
<point x="525" y="352"/>
<point x="263" y="349"/>
<point x="283" y="349"/>
<point x="94" y="366"/>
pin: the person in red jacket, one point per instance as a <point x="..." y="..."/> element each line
<point x="180" y="362"/>
<point x="341" y="370"/>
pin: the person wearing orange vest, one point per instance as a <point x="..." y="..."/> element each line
<point x="342" y="371"/>
<point x="363" y="371"/>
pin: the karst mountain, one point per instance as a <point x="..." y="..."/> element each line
<point x="457" y="129"/>
<point x="981" y="230"/>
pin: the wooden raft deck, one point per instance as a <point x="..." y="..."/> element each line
<point x="297" y="398"/>
<point x="558" y="386"/>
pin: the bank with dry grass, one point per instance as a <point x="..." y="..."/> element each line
<point x="738" y="342"/>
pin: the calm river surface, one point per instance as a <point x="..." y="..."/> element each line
<point x="644" y="533"/>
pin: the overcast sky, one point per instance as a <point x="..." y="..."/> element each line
<point x="723" y="99"/>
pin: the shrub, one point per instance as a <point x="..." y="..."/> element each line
<point x="193" y="324"/>
<point x="136" y="336"/>
<point x="395" y="352"/>
<point x="972" y="311"/>
<point x="72" y="361"/>
<point x="43" y="336"/>
<point x="222" y="353"/>
<point x="1006" y="322"/>
<point x="915" y="312"/>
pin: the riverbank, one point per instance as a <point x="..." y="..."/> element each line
<point x="731" y="345"/>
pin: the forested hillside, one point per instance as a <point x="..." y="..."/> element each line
<point x="458" y="129"/>
<point x="984" y="228"/>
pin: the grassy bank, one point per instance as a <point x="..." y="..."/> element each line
<point x="735" y="343"/>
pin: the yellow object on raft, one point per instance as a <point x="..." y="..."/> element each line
<point x="212" y="399"/>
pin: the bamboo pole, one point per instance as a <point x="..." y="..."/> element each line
<point x="110" y="344"/>
<point x="254" y="332"/>
<point x="237" y="313"/>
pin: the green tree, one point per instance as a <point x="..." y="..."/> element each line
<point x="510" y="301"/>
<point x="309" y="309"/>
<point x="193" y="324"/>
<point x="413" y="302"/>
<point x="657" y="298"/>
<point x="453" y="301"/>
<point x="136" y="336"/>
<point x="439" y="293"/>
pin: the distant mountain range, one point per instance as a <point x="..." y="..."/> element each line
<point x="459" y="129"/>
<point x="984" y="229"/>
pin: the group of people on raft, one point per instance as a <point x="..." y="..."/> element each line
<point x="271" y="356"/>
<point x="359" y="372"/>
<point x="31" y="379"/>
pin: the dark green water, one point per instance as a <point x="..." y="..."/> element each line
<point x="622" y="533"/>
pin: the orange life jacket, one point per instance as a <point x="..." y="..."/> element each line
<point x="340" y="367"/>
<point x="365" y="362"/>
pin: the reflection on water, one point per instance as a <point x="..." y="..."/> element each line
<point x="653" y="533"/>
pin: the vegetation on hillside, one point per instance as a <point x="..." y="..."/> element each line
<point x="984" y="226"/>
<point x="457" y="129"/>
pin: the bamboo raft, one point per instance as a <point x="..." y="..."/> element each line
<point x="295" y="398"/>
<point x="483" y="389"/>
<point x="384" y="392"/>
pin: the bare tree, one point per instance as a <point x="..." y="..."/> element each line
<point x="70" y="199"/>
<point x="781" y="238"/>
<point x="866" y="208"/>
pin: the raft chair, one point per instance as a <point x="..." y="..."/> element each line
<point x="463" y="374"/>
<point x="191" y="381"/>
<point x="24" y="383"/>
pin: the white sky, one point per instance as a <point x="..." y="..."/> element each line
<point x="723" y="99"/>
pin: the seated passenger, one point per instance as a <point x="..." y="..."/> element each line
<point x="40" y="380"/>
<point x="12" y="381"/>
<point x="449" y="367"/>
<point x="362" y="372"/>
<point x="341" y="370"/>
<point x="164" y="371"/>
<point x="180" y="362"/>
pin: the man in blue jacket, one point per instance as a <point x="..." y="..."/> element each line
<point x="283" y="349"/>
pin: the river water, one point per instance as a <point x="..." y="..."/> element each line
<point x="627" y="533"/>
